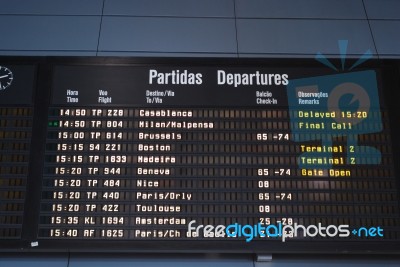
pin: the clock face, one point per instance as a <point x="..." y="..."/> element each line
<point x="6" y="78"/>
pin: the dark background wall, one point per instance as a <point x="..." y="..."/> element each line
<point x="229" y="28"/>
<point x="190" y="28"/>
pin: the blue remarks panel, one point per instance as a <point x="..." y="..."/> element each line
<point x="179" y="35"/>
<point x="49" y="33"/>
<point x="51" y="7"/>
<point x="337" y="9"/>
<point x="303" y="37"/>
<point x="174" y="8"/>
<point x="382" y="9"/>
<point x="387" y="36"/>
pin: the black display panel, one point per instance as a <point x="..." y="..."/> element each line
<point x="199" y="155"/>
<point x="16" y="122"/>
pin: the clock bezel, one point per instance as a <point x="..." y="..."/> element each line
<point x="10" y="77"/>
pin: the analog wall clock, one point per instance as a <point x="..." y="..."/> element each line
<point x="6" y="78"/>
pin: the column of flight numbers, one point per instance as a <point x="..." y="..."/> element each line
<point x="87" y="166"/>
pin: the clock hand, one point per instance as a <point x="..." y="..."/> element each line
<point x="3" y="76"/>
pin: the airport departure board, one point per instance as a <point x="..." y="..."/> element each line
<point x="198" y="155"/>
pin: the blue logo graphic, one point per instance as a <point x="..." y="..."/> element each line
<point x="338" y="105"/>
<point x="287" y="231"/>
